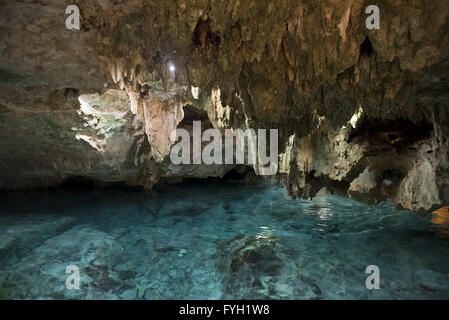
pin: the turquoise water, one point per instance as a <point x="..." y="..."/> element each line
<point x="214" y="240"/>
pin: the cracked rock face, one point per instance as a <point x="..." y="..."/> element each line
<point x="361" y="112"/>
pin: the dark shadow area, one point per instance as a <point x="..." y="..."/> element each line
<point x="193" y="114"/>
<point x="398" y="132"/>
<point x="203" y="36"/>
<point x="83" y="183"/>
<point x="239" y="174"/>
<point x="366" y="48"/>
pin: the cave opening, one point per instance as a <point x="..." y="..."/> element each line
<point x="391" y="176"/>
<point x="71" y="92"/>
<point x="239" y="173"/>
<point x="399" y="132"/>
<point x="194" y="114"/>
<point x="203" y="36"/>
<point x="366" y="48"/>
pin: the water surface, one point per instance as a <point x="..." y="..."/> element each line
<point x="214" y="240"/>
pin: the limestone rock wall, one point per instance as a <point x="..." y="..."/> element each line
<point x="361" y="111"/>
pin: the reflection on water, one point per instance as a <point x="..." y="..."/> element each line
<point x="216" y="241"/>
<point x="440" y="222"/>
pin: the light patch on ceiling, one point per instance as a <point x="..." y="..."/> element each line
<point x="285" y="157"/>
<point x="355" y="118"/>
<point x="195" y="92"/>
<point x="102" y="117"/>
<point x="85" y="106"/>
<point x="171" y="67"/>
<point x="92" y="142"/>
<point x="222" y="114"/>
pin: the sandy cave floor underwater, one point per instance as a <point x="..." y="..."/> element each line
<point x="214" y="240"/>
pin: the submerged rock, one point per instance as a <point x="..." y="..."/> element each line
<point x="257" y="267"/>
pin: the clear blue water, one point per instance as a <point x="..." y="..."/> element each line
<point x="214" y="240"/>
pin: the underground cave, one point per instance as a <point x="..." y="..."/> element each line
<point x="133" y="164"/>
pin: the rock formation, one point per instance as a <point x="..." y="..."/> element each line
<point x="361" y="112"/>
